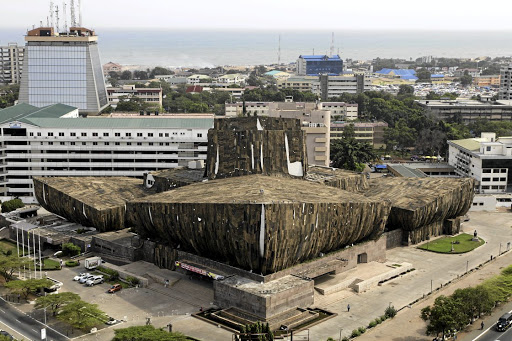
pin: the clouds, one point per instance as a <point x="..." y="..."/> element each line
<point x="272" y="14"/>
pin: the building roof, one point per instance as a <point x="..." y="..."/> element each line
<point x="407" y="172"/>
<point x="469" y="144"/>
<point x="127" y="123"/>
<point x="194" y="88"/>
<point x="317" y="58"/>
<point x="437" y="76"/>
<point x="408" y="74"/>
<point x="23" y="112"/>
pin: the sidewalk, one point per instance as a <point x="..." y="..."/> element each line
<point x="408" y="325"/>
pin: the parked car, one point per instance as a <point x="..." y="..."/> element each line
<point x="112" y="321"/>
<point x="82" y="274"/>
<point x="94" y="280"/>
<point x="114" y="288"/>
<point x="84" y="279"/>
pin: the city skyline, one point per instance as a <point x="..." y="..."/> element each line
<point x="282" y="15"/>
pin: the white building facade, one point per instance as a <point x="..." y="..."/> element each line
<point x="59" y="143"/>
<point x="486" y="159"/>
<point x="11" y="63"/>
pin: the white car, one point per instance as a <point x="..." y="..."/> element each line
<point x="112" y="321"/>
<point x="94" y="280"/>
<point x="82" y="274"/>
<point x="84" y="279"/>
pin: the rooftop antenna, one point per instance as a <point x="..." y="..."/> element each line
<point x="47" y="21"/>
<point x="279" y="52"/>
<point x="65" y="16"/>
<point x="51" y="15"/>
<point x="57" y="18"/>
<point x="41" y="23"/>
<point x="80" y="13"/>
<point x="332" y="44"/>
<point x="73" y="16"/>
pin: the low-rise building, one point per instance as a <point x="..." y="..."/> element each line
<point x="328" y="86"/>
<point x="231" y="78"/>
<point x="486" y="159"/>
<point x="196" y="79"/>
<point x="340" y="111"/>
<point x="315" y="121"/>
<point x="487" y="80"/>
<point x="467" y="111"/>
<point x="462" y="72"/>
<point x="112" y="67"/>
<point x="54" y="141"/>
<point x="11" y="63"/>
<point x="371" y="132"/>
<point x="151" y="96"/>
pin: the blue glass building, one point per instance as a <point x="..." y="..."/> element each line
<point x="319" y="64"/>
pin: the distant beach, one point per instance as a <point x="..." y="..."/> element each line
<point x="189" y="48"/>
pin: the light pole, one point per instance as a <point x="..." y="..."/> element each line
<point x="340" y="333"/>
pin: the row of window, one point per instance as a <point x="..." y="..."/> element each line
<point x="84" y="134"/>
<point x="493" y="187"/>
<point x="493" y="179"/>
<point x="107" y="143"/>
<point x="495" y="170"/>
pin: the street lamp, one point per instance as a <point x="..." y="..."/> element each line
<point x="340" y="333"/>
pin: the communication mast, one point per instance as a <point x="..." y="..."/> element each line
<point x="73" y="17"/>
<point x="51" y="15"/>
<point x="57" y="18"/>
<point x="332" y="45"/>
<point x="80" y="13"/>
<point x="65" y="16"/>
<point x="279" y="52"/>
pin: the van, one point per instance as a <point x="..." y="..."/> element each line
<point x="94" y="280"/>
<point x="504" y="322"/>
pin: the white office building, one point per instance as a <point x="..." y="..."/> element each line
<point x="487" y="159"/>
<point x="505" y="83"/>
<point x="11" y="63"/>
<point x="55" y="141"/>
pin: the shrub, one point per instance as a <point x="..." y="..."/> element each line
<point x="390" y="311"/>
<point x="330" y="339"/>
<point x="133" y="280"/>
<point x="70" y="249"/>
<point x="378" y="320"/>
<point x="355" y="333"/>
<point x="71" y="263"/>
<point x="383" y="318"/>
<point x="372" y="324"/>
<point x="113" y="275"/>
<point x="11" y="205"/>
<point x="362" y="330"/>
<point x="345" y="339"/>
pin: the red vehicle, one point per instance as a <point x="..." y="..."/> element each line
<point x="114" y="288"/>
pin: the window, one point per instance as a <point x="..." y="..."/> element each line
<point x="488" y="149"/>
<point x="84" y="134"/>
<point x="161" y="144"/>
<point x="160" y="135"/>
<point x="117" y="134"/>
<point x="72" y="134"/>
<point x="83" y="143"/>
<point x="503" y="179"/>
<point x="486" y="171"/>
<point x="495" y="179"/>
<point x="62" y="144"/>
<point x="139" y="143"/>
<point x="72" y="143"/>
<point x="105" y="134"/>
<point x="50" y="134"/>
<point x="95" y="143"/>
<point x="166" y="134"/>
<point x="199" y="135"/>
<point x="166" y="143"/>
<point x="150" y="134"/>
<point x="31" y="134"/>
<point x="139" y="134"/>
<point x="486" y="179"/>
<point x="117" y="143"/>
<point x="150" y="143"/>
<point x="128" y="143"/>
<point x="107" y="143"/>
<point x="94" y="134"/>
<point x="38" y="134"/>
<point x="503" y="170"/>
<point x="50" y="143"/>
<point x="128" y="134"/>
<point x="61" y="134"/>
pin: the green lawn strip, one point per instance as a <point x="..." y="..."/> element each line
<point x="444" y="245"/>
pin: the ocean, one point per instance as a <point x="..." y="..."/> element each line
<point x="200" y="48"/>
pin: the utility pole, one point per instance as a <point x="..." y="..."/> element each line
<point x="65" y="16"/>
<point x="57" y="17"/>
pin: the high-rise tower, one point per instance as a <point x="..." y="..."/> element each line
<point x="63" y="68"/>
<point x="505" y="92"/>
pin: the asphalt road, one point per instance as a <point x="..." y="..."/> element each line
<point x="490" y="333"/>
<point x="24" y="326"/>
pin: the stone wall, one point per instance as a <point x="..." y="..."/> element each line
<point x="393" y="238"/>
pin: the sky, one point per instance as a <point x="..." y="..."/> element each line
<point x="272" y="14"/>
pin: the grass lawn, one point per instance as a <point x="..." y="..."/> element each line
<point x="444" y="245"/>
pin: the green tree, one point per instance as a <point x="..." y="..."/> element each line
<point x="446" y="314"/>
<point x="70" y="249"/>
<point x="81" y="315"/>
<point x="160" y="71"/>
<point x="350" y="154"/>
<point x="126" y="75"/>
<point x="466" y="79"/>
<point x="56" y="301"/>
<point x="11" y="263"/>
<point x="146" y="333"/>
<point x="400" y="137"/>
<point x="25" y="287"/>
<point x="405" y="89"/>
<point x="10" y="95"/>
<point x="423" y="75"/>
<point x="11" y="205"/>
